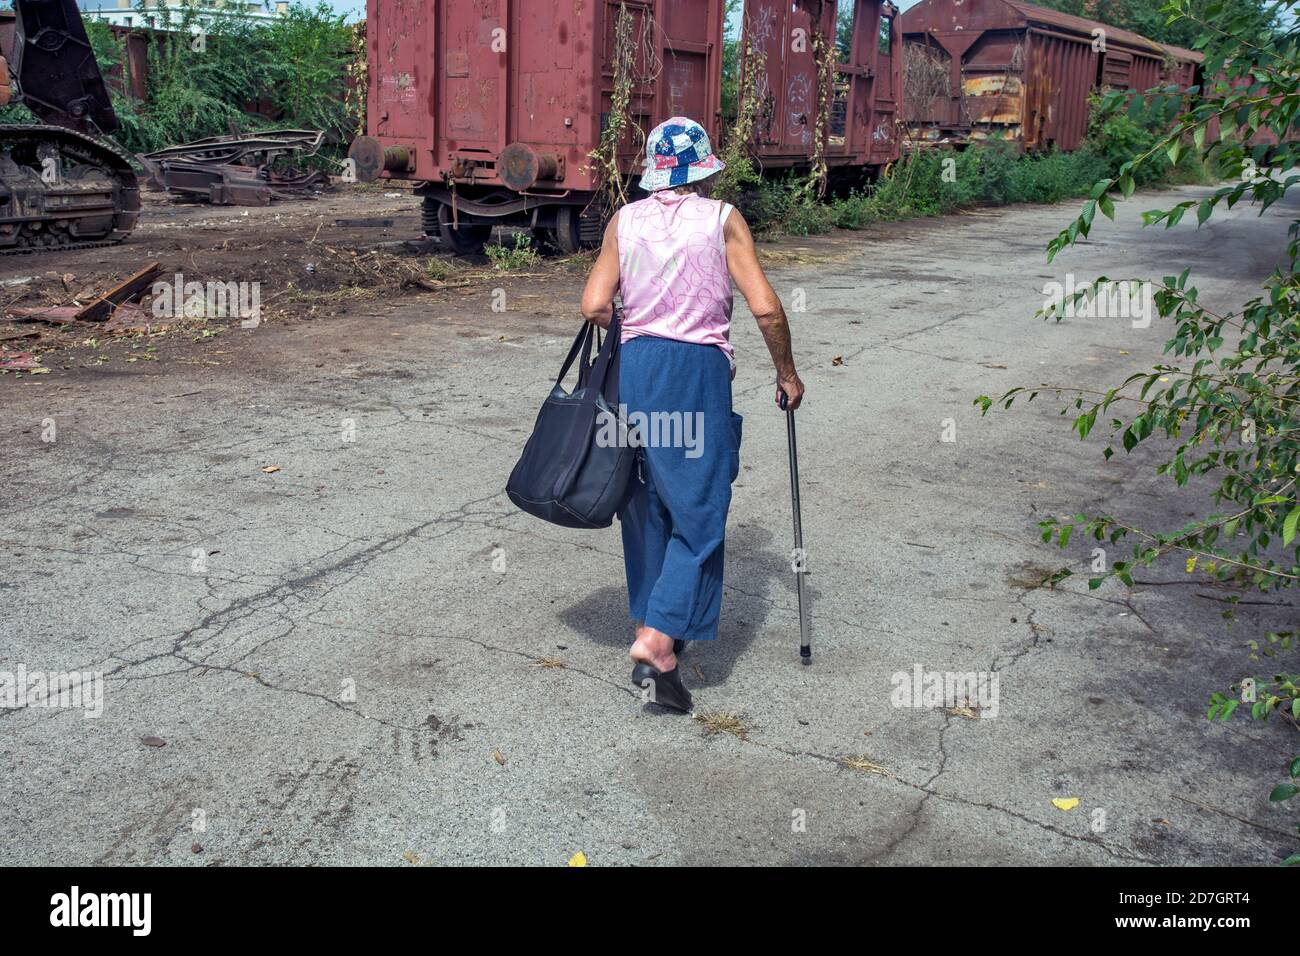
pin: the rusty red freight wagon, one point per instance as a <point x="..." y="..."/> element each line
<point x="864" y="102"/>
<point x="1005" y="70"/>
<point x="494" y="106"/>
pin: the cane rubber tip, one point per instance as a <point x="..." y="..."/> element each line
<point x="806" y="654"/>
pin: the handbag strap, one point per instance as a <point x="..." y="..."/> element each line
<point x="582" y="344"/>
<point x="601" y="382"/>
<point x="604" y="374"/>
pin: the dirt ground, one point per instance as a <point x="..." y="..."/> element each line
<point x="354" y="250"/>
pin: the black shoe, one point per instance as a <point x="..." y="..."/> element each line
<point x="666" y="687"/>
<point x="678" y="646"/>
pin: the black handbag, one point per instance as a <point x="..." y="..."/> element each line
<point x="576" y="469"/>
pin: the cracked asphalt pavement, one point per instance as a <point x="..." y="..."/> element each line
<point x="368" y="656"/>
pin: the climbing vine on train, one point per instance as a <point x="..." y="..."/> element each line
<point x="622" y="131"/>
<point x="824" y="62"/>
<point x="741" y="172"/>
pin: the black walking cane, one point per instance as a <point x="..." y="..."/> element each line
<point x="801" y="560"/>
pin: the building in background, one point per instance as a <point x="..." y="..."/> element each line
<point x="131" y="13"/>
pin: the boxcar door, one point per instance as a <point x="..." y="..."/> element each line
<point x="1116" y="67"/>
<point x="855" y="25"/>
<point x="400" y="40"/>
<point x="545" y="84"/>
<point x="690" y="32"/>
<point x="781" y="31"/>
<point x="475" y="41"/>
<point x="887" y="46"/>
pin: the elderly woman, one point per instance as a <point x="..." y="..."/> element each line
<point x="672" y="258"/>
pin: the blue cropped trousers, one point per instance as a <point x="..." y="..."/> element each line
<point x="678" y="397"/>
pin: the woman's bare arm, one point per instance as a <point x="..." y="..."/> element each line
<point x="602" y="284"/>
<point x="742" y="262"/>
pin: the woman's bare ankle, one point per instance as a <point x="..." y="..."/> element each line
<point x="654" y="648"/>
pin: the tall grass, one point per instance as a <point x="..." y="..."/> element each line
<point x="927" y="183"/>
<point x="934" y="183"/>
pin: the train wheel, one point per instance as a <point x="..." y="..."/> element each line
<point x="468" y="240"/>
<point x="567" y="233"/>
<point x="544" y="239"/>
<point x="577" y="230"/>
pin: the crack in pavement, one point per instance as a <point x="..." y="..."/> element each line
<point x="219" y="621"/>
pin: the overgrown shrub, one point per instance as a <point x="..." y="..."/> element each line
<point x="1055" y="176"/>
<point x="1121" y="127"/>
<point x="763" y="204"/>
<point x="806" y="217"/>
<point x="310" y="49"/>
<point x="513" y="254"/>
<point x="730" y="65"/>
<point x="934" y="183"/>
<point x="856" y="211"/>
<point x="214" y="68"/>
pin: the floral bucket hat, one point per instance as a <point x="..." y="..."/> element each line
<point x="677" y="153"/>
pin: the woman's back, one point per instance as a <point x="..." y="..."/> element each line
<point x="673" y="257"/>
<point x="673" y="275"/>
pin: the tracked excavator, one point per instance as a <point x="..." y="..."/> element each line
<point x="63" y="183"/>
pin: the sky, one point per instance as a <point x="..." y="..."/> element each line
<point x="356" y="9"/>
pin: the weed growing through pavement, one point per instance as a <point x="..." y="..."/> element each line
<point x="864" y="765"/>
<point x="722" y="722"/>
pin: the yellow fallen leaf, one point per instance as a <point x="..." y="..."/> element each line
<point x="1065" y="803"/>
<point x="578" y="859"/>
<point x="499" y="757"/>
<point x="271" y="469"/>
<point x="1191" y="563"/>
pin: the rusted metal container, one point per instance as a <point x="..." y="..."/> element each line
<point x="496" y="105"/>
<point x="1010" y="71"/>
<point x="1262" y="136"/>
<point x="866" y="85"/>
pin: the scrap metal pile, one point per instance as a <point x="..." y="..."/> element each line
<point x="116" y="308"/>
<point x="244" y="169"/>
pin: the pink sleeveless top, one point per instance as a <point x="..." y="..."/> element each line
<point x="673" y="274"/>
